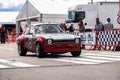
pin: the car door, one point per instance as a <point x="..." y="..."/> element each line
<point x="29" y="39"/>
<point x="34" y="38"/>
<point x="25" y="37"/>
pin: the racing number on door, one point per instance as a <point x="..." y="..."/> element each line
<point x="29" y="43"/>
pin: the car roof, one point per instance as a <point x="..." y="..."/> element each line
<point x="44" y="24"/>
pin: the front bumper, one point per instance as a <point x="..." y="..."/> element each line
<point x="62" y="47"/>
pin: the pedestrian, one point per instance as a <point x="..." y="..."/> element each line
<point x="63" y="26"/>
<point x="81" y="29"/>
<point x="108" y="26"/>
<point x="98" y="27"/>
<point x="81" y="26"/>
<point x="71" y="28"/>
<point x="3" y="35"/>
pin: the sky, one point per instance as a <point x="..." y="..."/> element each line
<point x="16" y="5"/>
<point x="9" y="9"/>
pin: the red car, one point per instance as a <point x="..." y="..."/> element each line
<point x="47" y="38"/>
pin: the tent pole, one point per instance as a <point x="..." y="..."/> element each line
<point x="27" y="11"/>
<point x="119" y="4"/>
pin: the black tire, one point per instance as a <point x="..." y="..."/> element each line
<point x="39" y="51"/>
<point x="21" y="50"/>
<point x="76" y="54"/>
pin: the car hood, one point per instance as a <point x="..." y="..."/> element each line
<point x="61" y="36"/>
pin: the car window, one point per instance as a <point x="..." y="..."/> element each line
<point x="31" y="30"/>
<point x="48" y="28"/>
<point x="26" y="32"/>
<point x="38" y="29"/>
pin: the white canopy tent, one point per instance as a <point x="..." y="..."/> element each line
<point x="42" y="11"/>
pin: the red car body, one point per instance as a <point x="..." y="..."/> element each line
<point x="35" y="38"/>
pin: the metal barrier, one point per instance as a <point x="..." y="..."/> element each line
<point x="96" y="40"/>
<point x="12" y="37"/>
<point x="100" y="39"/>
<point x="109" y="38"/>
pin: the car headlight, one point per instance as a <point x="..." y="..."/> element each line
<point x="77" y="41"/>
<point x="49" y="41"/>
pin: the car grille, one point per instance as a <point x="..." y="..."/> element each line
<point x="62" y="41"/>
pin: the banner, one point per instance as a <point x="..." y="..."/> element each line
<point x="88" y="38"/>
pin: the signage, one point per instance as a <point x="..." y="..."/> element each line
<point x="88" y="38"/>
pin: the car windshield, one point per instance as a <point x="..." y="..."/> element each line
<point x="48" y="28"/>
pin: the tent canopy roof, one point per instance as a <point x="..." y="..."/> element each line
<point x="33" y="8"/>
<point x="50" y="7"/>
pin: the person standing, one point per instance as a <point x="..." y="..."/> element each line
<point x="108" y="26"/>
<point x="98" y="27"/>
<point x="71" y="28"/>
<point x="63" y="26"/>
<point x="3" y="34"/>
<point x="81" y="29"/>
<point x="81" y="26"/>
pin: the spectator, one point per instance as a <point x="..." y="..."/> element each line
<point x="98" y="27"/>
<point x="81" y="26"/>
<point x="3" y="34"/>
<point x="71" y="28"/>
<point x="81" y="29"/>
<point x="63" y="26"/>
<point x="108" y="26"/>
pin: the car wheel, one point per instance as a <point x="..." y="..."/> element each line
<point x="76" y="54"/>
<point x="39" y="51"/>
<point x="21" y="50"/>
